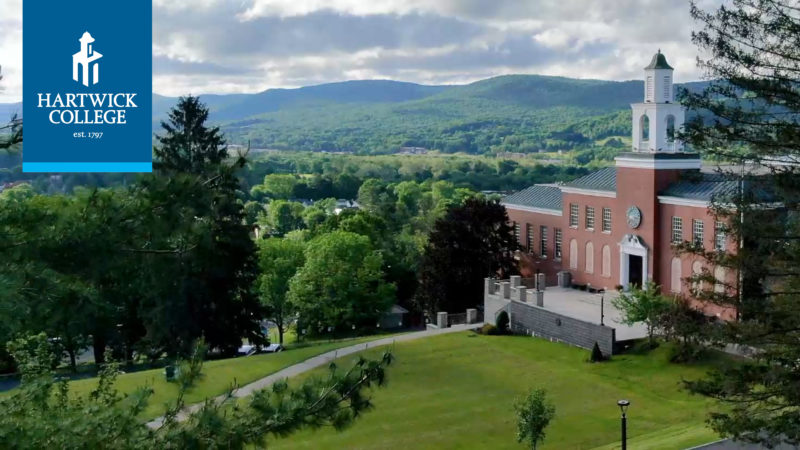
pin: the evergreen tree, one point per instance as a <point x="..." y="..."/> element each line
<point x="188" y="146"/>
<point x="750" y="115"/>
<point x="44" y="413"/>
<point x="205" y="282"/>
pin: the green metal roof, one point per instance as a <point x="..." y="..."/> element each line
<point x="601" y="180"/>
<point x="718" y="187"/>
<point x="659" y="62"/>
<point x="536" y="196"/>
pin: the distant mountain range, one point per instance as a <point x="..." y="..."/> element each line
<point x="506" y="113"/>
<point x="8" y="110"/>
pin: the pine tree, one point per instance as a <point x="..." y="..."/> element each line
<point x="750" y="115"/>
<point x="206" y="288"/>
<point x="188" y="146"/>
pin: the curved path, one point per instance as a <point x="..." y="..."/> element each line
<point x="317" y="361"/>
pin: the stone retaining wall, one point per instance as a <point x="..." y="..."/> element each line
<point x="533" y="320"/>
<point x="528" y="318"/>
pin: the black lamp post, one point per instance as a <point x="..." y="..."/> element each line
<point x="623" y="406"/>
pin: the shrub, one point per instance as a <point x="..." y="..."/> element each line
<point x="489" y="330"/>
<point x="597" y="355"/>
<point x="502" y="322"/>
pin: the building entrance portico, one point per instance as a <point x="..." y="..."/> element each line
<point x="633" y="255"/>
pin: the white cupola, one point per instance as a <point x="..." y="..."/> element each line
<point x="657" y="120"/>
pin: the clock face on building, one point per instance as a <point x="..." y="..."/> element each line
<point x="634" y="217"/>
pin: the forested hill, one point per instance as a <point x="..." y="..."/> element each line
<point x="241" y="106"/>
<point x="513" y="113"/>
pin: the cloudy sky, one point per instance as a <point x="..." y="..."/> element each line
<point x="225" y="46"/>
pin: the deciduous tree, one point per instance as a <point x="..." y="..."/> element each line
<point x="471" y="242"/>
<point x="278" y="260"/>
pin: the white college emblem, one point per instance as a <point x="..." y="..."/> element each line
<point x="86" y="59"/>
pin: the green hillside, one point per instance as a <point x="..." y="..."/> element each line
<point x="513" y="113"/>
<point x="517" y="113"/>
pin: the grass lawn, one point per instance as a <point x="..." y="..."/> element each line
<point x="217" y="375"/>
<point x="456" y="391"/>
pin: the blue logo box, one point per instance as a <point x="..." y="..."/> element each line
<point x="87" y="86"/>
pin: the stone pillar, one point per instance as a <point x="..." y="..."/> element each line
<point x="564" y="279"/>
<point x="540" y="298"/>
<point x="505" y="289"/>
<point x="441" y="319"/>
<point x="488" y="287"/>
<point x="518" y="293"/>
<point x="516" y="281"/>
<point x="472" y="315"/>
<point x="541" y="282"/>
<point x="530" y="296"/>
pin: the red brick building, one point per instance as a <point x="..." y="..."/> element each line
<point x="615" y="227"/>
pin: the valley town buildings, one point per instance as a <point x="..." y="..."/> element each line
<point x="615" y="227"/>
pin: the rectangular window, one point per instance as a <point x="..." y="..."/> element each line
<point x="719" y="236"/>
<point x="607" y="220"/>
<point x="649" y="90"/>
<point x="589" y="218"/>
<point x="543" y="237"/>
<point x="516" y="232"/>
<point x="697" y="232"/>
<point x="529" y="238"/>
<point x="677" y="230"/>
<point x="667" y="83"/>
<point x="573" y="215"/>
<point x="557" y="254"/>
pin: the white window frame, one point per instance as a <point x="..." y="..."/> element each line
<point x="677" y="230"/>
<point x="720" y="237"/>
<point x="558" y="238"/>
<point x="529" y="238"/>
<point x="589" y="217"/>
<point x="543" y="242"/>
<point x="573" y="215"/>
<point x="606" y="220"/>
<point x="698" y="229"/>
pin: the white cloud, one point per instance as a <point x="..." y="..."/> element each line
<point x="222" y="46"/>
<point x="11" y="51"/>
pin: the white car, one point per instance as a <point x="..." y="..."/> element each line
<point x="247" y="350"/>
<point x="273" y="348"/>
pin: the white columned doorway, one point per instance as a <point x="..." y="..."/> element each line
<point x="633" y="255"/>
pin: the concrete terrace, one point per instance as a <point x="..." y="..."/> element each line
<point x="585" y="306"/>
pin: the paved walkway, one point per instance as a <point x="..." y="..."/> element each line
<point x="317" y="361"/>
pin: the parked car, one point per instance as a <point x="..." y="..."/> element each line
<point x="247" y="350"/>
<point x="274" y="348"/>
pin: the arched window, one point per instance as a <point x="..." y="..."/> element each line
<point x="573" y="254"/>
<point x="670" y="128"/>
<point x="644" y="126"/>
<point x="675" y="275"/>
<point x="720" y="274"/>
<point x="697" y="269"/>
<point x="589" y="257"/>
<point x="606" y="269"/>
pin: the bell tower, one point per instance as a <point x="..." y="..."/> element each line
<point x="657" y="120"/>
<point x="656" y="160"/>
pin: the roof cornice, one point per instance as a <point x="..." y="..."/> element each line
<point x="658" y="164"/>
<point x="551" y="212"/>
<point x="680" y="201"/>
<point x="591" y="192"/>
